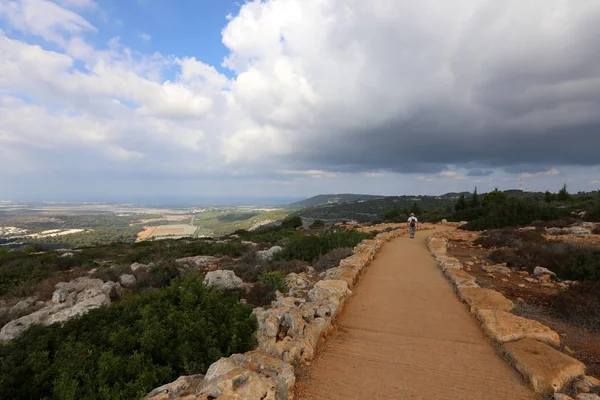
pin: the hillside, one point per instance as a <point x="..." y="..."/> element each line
<point x="325" y="199"/>
<point x="369" y="210"/>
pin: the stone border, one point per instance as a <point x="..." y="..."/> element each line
<point x="527" y="345"/>
<point x="288" y="335"/>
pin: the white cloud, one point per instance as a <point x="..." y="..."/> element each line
<point x="43" y="18"/>
<point x="595" y="182"/>
<point x="319" y="86"/>
<point x="550" y="172"/>
<point x="145" y="37"/>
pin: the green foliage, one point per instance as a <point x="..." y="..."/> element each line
<point x="579" y="304"/>
<point x="317" y="224"/>
<point x="416" y="209"/>
<point x="549" y="197"/>
<point x="310" y="247"/>
<point x="593" y="213"/>
<point x="563" y="194"/>
<point x="474" y="203"/>
<point x="499" y="211"/>
<point x="461" y="204"/>
<point x="234" y="217"/>
<point x="274" y="279"/>
<point x="124" y="350"/>
<point x="26" y="268"/>
<point x="395" y="215"/>
<point x="291" y="222"/>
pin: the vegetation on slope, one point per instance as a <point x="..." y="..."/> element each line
<point x="124" y="350"/>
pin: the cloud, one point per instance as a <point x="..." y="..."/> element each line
<point x="595" y="182"/>
<point x="550" y="172"/>
<point x="480" y="172"/>
<point x="44" y="18"/>
<point x="145" y="37"/>
<point x="314" y="87"/>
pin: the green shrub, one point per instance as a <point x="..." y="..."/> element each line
<point x="124" y="350"/>
<point x="508" y="238"/>
<point x="310" y="248"/>
<point x="570" y="261"/>
<point x="317" y="224"/>
<point x="273" y="279"/>
<point x="332" y="258"/>
<point x="291" y="222"/>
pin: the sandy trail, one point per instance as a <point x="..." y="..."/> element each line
<point x="405" y="335"/>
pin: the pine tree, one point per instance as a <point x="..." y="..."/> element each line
<point x="563" y="194"/>
<point x="461" y="204"/>
<point x="548" y="196"/>
<point x="415" y="208"/>
<point x="475" y="200"/>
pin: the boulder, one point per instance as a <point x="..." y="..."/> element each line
<point x="253" y="375"/>
<point x="540" y="272"/>
<point x="546" y="369"/>
<point x="127" y="280"/>
<point x="505" y="327"/>
<point x="138" y="266"/>
<point x="66" y="255"/>
<point x="497" y="269"/>
<point x="223" y="279"/>
<point x="197" y="261"/>
<point x="266" y="255"/>
<point x="70" y="299"/>
<point x="577" y="231"/>
<point x="480" y="298"/>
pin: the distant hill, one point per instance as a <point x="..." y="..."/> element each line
<point x="324" y="199"/>
<point x="369" y="210"/>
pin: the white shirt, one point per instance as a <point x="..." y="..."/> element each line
<point x="411" y="218"/>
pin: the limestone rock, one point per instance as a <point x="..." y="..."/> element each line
<point x="70" y="299"/>
<point x="593" y="382"/>
<point x="547" y="370"/>
<point x="480" y="298"/>
<point x="267" y="255"/>
<point x="197" y="261"/>
<point x="249" y="376"/>
<point x="461" y="279"/>
<point x="505" y="327"/>
<point x="497" y="269"/>
<point x="23" y="305"/>
<point x="66" y="255"/>
<point x="561" y="396"/>
<point x="587" y="396"/>
<point x="577" y="231"/>
<point x="127" y="280"/>
<point x="223" y="279"/>
<point x="135" y="266"/>
<point x="183" y="386"/>
<point x="539" y="272"/>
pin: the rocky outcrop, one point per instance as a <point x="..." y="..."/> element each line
<point x="266" y="255"/>
<point x="223" y="279"/>
<point x="546" y="369"/>
<point x="69" y="299"/>
<point x="197" y="262"/>
<point x="127" y="280"/>
<point x="254" y="375"/>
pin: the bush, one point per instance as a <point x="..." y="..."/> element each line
<point x="310" y="248"/>
<point x="291" y="223"/>
<point x="568" y="260"/>
<point x="274" y="279"/>
<point x="508" y="238"/>
<point x="317" y="224"/>
<point x="332" y="259"/>
<point x="579" y="304"/>
<point x="124" y="350"/>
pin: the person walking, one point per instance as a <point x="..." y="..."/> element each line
<point x="412" y="225"/>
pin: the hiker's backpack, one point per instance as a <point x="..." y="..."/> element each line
<point x="413" y="222"/>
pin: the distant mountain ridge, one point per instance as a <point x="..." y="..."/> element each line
<point x="324" y="199"/>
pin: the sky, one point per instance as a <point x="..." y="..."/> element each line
<point x="294" y="98"/>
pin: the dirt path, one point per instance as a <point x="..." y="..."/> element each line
<point x="405" y="335"/>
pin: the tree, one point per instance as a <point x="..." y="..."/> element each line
<point x="475" y="200"/>
<point x="461" y="204"/>
<point x="494" y="198"/>
<point x="548" y="197"/>
<point x="563" y="194"/>
<point x="415" y="208"/>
